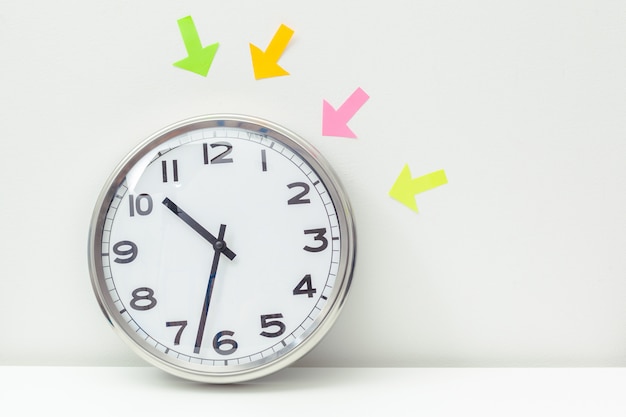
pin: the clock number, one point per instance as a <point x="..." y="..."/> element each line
<point x="263" y="160"/>
<point x="136" y="205"/>
<point x="179" y="333"/>
<point x="120" y="248"/>
<point x="221" y="158"/>
<point x="297" y="199"/>
<point x="218" y="342"/>
<point x="305" y="287"/>
<point x="266" y="322"/>
<point x="174" y="170"/>
<point x="148" y="295"/>
<point x="319" y="236"/>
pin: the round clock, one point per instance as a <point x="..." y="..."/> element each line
<point x="222" y="248"/>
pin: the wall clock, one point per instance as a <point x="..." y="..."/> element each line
<point x="222" y="248"/>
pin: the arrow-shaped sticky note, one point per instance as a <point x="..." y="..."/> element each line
<point x="265" y="64"/>
<point x="199" y="59"/>
<point x="335" y="122"/>
<point x="405" y="188"/>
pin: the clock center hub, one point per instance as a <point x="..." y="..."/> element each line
<point x="219" y="245"/>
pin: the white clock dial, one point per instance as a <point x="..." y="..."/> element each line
<point x="222" y="248"/>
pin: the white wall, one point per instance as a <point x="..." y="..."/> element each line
<point x="518" y="261"/>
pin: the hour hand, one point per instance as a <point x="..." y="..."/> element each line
<point x="198" y="228"/>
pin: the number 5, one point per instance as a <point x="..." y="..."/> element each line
<point x="265" y="323"/>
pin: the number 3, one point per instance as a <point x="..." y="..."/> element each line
<point x="319" y="236"/>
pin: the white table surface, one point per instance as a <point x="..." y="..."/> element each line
<point x="145" y="391"/>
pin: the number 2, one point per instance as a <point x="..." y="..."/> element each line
<point x="297" y="199"/>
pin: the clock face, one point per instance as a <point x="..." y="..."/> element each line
<point x="222" y="248"/>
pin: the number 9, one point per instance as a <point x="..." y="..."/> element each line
<point x="120" y="249"/>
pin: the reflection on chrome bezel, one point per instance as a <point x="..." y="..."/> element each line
<point x="313" y="334"/>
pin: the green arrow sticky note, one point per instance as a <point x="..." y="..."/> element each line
<point x="199" y="59"/>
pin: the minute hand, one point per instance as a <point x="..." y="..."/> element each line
<point x="196" y="226"/>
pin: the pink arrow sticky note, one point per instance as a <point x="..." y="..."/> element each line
<point x="334" y="122"/>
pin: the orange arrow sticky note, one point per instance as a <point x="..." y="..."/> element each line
<point x="265" y="63"/>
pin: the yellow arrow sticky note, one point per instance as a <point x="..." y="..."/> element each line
<point x="405" y="188"/>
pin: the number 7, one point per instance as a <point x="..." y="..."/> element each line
<point x="179" y="333"/>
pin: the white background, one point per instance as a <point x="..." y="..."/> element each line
<point x="518" y="261"/>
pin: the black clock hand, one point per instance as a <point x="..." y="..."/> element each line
<point x="219" y="247"/>
<point x="198" y="228"/>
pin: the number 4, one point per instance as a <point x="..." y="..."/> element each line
<point x="305" y="287"/>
